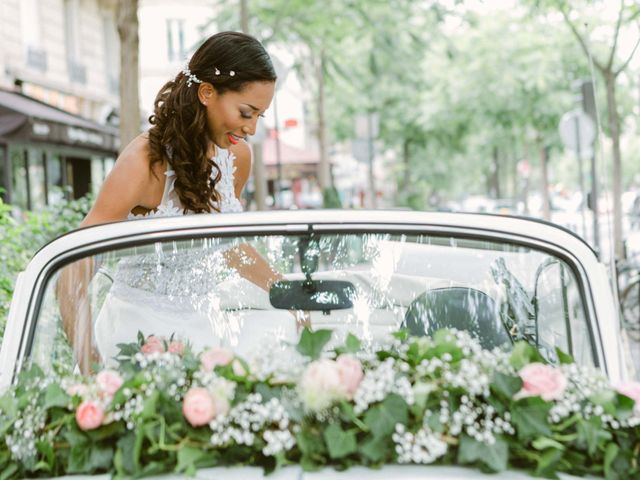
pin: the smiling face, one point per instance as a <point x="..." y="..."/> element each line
<point x="232" y="116"/>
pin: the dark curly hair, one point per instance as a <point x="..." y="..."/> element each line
<point x="179" y="120"/>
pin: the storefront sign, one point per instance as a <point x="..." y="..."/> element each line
<point x="80" y="135"/>
<point x="40" y="129"/>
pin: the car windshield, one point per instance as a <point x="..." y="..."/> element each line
<point x="204" y="291"/>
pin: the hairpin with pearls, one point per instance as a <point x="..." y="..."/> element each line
<point x="231" y="73"/>
<point x="191" y="78"/>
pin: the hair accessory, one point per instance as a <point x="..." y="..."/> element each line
<point x="232" y="73"/>
<point x="217" y="72"/>
<point x="191" y="78"/>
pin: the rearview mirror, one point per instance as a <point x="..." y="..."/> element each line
<point x="312" y="295"/>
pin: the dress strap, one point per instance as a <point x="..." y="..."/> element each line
<point x="169" y="183"/>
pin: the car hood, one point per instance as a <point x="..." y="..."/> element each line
<point x="390" y="472"/>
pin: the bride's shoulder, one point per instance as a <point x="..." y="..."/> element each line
<point x="242" y="154"/>
<point x="135" y="159"/>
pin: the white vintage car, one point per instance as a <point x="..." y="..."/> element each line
<point x="366" y="273"/>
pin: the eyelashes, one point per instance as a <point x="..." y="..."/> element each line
<point x="248" y="116"/>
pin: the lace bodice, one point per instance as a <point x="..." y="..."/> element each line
<point x="170" y="204"/>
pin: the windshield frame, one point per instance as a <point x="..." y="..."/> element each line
<point x="81" y="243"/>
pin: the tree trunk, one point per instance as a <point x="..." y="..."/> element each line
<point x="324" y="178"/>
<point x="129" y="71"/>
<point x="614" y="128"/>
<point x="495" y="174"/>
<point x="544" y="174"/>
<point x="244" y="16"/>
<point x="406" y="173"/>
<point x="258" y="169"/>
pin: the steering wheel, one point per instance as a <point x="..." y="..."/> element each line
<point x="461" y="308"/>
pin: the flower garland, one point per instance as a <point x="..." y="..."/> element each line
<point x="415" y="400"/>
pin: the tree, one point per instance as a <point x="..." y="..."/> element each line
<point x="605" y="58"/>
<point x="127" y="19"/>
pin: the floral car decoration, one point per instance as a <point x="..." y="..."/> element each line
<point x="421" y="400"/>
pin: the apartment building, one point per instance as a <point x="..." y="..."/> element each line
<point x="59" y="63"/>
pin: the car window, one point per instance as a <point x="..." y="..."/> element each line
<point x="204" y="291"/>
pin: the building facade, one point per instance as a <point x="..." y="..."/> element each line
<point x="59" y="63"/>
<point x="170" y="32"/>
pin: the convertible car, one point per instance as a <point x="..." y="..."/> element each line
<point x="246" y="282"/>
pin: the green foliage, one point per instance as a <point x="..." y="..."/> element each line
<point x="379" y="425"/>
<point x="22" y="238"/>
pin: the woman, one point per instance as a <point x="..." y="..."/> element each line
<point x="200" y="122"/>
<point x="194" y="159"/>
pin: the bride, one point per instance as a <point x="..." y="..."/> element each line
<point x="193" y="160"/>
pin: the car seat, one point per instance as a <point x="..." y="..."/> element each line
<point x="461" y="308"/>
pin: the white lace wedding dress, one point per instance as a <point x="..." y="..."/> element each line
<point x="182" y="289"/>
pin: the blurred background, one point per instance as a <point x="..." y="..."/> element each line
<point x="523" y="107"/>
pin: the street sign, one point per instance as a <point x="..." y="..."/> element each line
<point x="577" y="132"/>
<point x="367" y="125"/>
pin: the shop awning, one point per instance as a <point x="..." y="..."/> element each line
<point x="23" y="119"/>
<point x="288" y="154"/>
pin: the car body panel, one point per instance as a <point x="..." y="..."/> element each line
<point x="389" y="472"/>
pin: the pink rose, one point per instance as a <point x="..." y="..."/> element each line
<point x="109" y="381"/>
<point x="321" y="385"/>
<point x="542" y="380"/>
<point x="78" y="389"/>
<point x="176" y="347"/>
<point x="153" y="344"/>
<point x="89" y="415"/>
<point x="631" y="390"/>
<point x="198" y="407"/>
<point x="350" y="371"/>
<point x="211" y="358"/>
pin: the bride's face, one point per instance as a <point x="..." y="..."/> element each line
<point x="232" y="116"/>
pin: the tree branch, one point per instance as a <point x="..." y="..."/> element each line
<point x="615" y="37"/>
<point x="624" y="65"/>
<point x="581" y="40"/>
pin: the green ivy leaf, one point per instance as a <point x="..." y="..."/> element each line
<point x="529" y="416"/>
<point x="610" y="455"/>
<point x="506" y="385"/>
<point x="100" y="457"/>
<point x="340" y="443"/>
<point x="78" y="459"/>
<point x="494" y="457"/>
<point x="9" y="471"/>
<point x="624" y="406"/>
<point x="564" y="358"/>
<point x="382" y="418"/>
<point x="590" y="433"/>
<point x="523" y="354"/>
<point x="310" y="442"/>
<point x="187" y="458"/>
<point x="312" y="343"/>
<point x="150" y="405"/>
<point x="352" y="344"/>
<point x="55" y="396"/>
<point x="547" y="462"/>
<point x="375" y="448"/>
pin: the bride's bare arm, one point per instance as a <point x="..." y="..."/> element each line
<point x="72" y="292"/>
<point x="120" y="193"/>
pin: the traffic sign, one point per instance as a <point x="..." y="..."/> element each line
<point x="577" y="132"/>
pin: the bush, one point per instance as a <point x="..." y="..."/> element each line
<point x="21" y="239"/>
